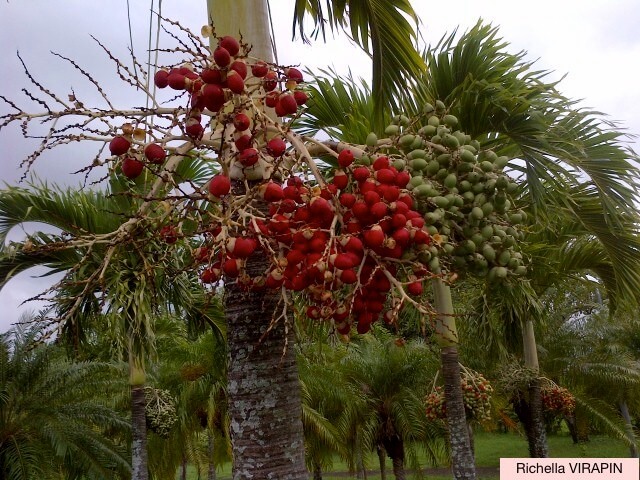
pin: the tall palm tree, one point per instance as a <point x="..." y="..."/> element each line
<point x="54" y="412"/>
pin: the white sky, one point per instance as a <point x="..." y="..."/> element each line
<point x="594" y="42"/>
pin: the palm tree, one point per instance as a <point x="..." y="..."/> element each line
<point x="391" y="381"/>
<point x="55" y="413"/>
<point x="128" y="287"/>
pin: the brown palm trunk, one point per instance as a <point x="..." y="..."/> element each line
<point x="265" y="406"/>
<point x="535" y="429"/>
<point x="624" y="411"/>
<point x="317" y="471"/>
<point x="211" y="472"/>
<point x="462" y="461"/>
<point x="382" y="461"/>
<point x="139" y="458"/>
<point x="395" y="449"/>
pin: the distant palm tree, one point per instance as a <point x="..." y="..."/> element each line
<point x="54" y="413"/>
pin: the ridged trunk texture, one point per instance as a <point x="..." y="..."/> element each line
<point x="382" y="461"/>
<point x="534" y="426"/>
<point x="139" y="460"/>
<point x="537" y="436"/>
<point x="395" y="449"/>
<point x="265" y="406"/>
<point x="462" y="461"/>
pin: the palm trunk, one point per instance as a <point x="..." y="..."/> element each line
<point x="624" y="411"/>
<point x="395" y="449"/>
<point x="265" y="407"/>
<point x="139" y="454"/>
<point x="183" y="468"/>
<point x="211" y="471"/>
<point x="571" y="425"/>
<point x="317" y="471"/>
<point x="382" y="460"/>
<point x="462" y="460"/>
<point x="536" y="433"/>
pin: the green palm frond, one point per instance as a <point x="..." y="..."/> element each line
<point x="341" y="108"/>
<point x="383" y="29"/>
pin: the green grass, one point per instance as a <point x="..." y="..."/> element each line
<point x="489" y="448"/>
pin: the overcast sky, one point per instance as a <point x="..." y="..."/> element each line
<point x="595" y="43"/>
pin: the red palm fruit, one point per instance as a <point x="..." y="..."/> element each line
<point x="287" y="205"/>
<point x="402" y="179"/>
<point x="392" y="250"/>
<point x="415" y="288"/>
<point x="231" y="267"/>
<point x="241" y="122"/>
<point x="279" y="109"/>
<point x="380" y="163"/>
<point x="417" y="222"/>
<point x="201" y="254"/>
<point x="119" y="145"/>
<point x="398" y="220"/>
<point x="302" y="214"/>
<point x="235" y="82"/>
<point x="347" y="200"/>
<point x="168" y="234"/>
<point x="259" y="69"/>
<point x="219" y="185"/>
<point x="407" y="199"/>
<point x="329" y="191"/>
<point x="177" y="81"/>
<point x="385" y="175"/>
<point x="340" y="179"/>
<point x="374" y="237"/>
<point x="155" y="153"/>
<point x="271" y="99"/>
<point x="293" y="193"/>
<point x="380" y="283"/>
<point x="288" y="104"/>
<point x="295" y="256"/>
<point x="340" y="313"/>
<point x="241" y="247"/>
<point x="317" y="245"/>
<point x="371" y="197"/>
<point x="273" y="192"/>
<point x="348" y="277"/>
<point x="301" y="97"/>
<point x="270" y="81"/>
<point x="400" y="207"/>
<point x="379" y="210"/>
<point x="420" y="237"/>
<point x="368" y="185"/>
<point x="221" y="56"/>
<point x="320" y="207"/>
<point x="248" y="157"/>
<point x="375" y="306"/>
<point x="344" y="261"/>
<point x="161" y="78"/>
<point x="212" y="75"/>
<point x="402" y="236"/>
<point x="364" y="324"/>
<point x="386" y="225"/>
<point x="243" y="142"/>
<point x="132" y="167"/>
<point x="360" y="210"/>
<point x="345" y="158"/>
<point x="240" y="67"/>
<point x="293" y="74"/>
<point x="299" y="283"/>
<point x="194" y="86"/>
<point x="276" y="147"/>
<point x="390" y="193"/>
<point x="278" y="223"/>
<point x="313" y="312"/>
<point x="361" y="174"/>
<point x="194" y="129"/>
<point x="230" y="44"/>
<point x="197" y="101"/>
<point x="213" y="97"/>
<point x="274" y="279"/>
<point x="353" y="245"/>
<point x="353" y="227"/>
<point x="211" y="274"/>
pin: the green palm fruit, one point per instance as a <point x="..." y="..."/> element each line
<point x="450" y="120"/>
<point x="392" y="130"/>
<point x="372" y="140"/>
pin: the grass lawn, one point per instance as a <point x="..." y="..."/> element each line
<point x="489" y="448"/>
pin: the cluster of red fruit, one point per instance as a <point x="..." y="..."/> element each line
<point x="344" y="245"/>
<point x="476" y="391"/>
<point x="215" y="84"/>
<point x="132" y="160"/>
<point x="558" y="401"/>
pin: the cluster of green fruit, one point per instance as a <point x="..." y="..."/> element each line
<point x="160" y="411"/>
<point x="463" y="192"/>
<point x="476" y="391"/>
<point x="558" y="401"/>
